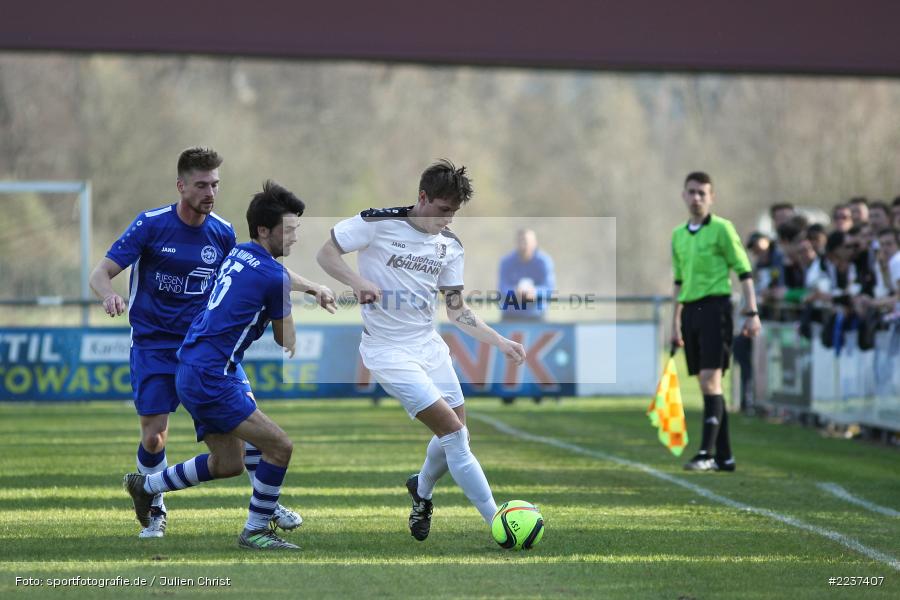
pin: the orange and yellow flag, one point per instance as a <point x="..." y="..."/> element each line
<point x="667" y="413"/>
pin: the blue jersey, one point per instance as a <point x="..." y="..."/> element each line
<point x="539" y="271"/>
<point x="251" y="289"/>
<point x="172" y="267"/>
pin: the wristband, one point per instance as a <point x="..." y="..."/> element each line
<point x="751" y="313"/>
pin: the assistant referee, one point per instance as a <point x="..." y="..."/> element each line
<point x="704" y="252"/>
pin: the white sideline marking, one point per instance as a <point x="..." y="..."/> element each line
<point x="836" y="490"/>
<point x="699" y="490"/>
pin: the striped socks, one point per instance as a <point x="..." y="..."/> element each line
<point x="149" y="463"/>
<point x="252" y="456"/>
<point x="183" y="475"/>
<point x="265" y="477"/>
<point x="266" y="490"/>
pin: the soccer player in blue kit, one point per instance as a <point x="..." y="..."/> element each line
<point x="174" y="253"/>
<point x="251" y="289"/>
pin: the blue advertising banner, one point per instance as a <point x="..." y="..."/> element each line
<point x="93" y="364"/>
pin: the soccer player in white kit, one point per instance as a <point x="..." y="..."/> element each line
<point x="406" y="256"/>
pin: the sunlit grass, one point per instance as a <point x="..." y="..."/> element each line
<point x="612" y="531"/>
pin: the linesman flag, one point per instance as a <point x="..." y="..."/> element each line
<point x="666" y="411"/>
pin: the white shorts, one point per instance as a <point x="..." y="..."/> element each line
<point x="417" y="375"/>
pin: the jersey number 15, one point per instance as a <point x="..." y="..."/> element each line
<point x="223" y="282"/>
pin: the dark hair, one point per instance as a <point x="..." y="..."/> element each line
<point x="698" y="176"/>
<point x="858" y="200"/>
<point x="815" y="228"/>
<point x="837" y="207"/>
<point x="799" y="221"/>
<point x="896" y="201"/>
<point x="443" y="180"/>
<point x="198" y="158"/>
<point x="788" y="231"/>
<point x="270" y="205"/>
<point x="879" y="205"/>
<point x="890" y="231"/>
<point x="835" y="241"/>
<point x="780" y="206"/>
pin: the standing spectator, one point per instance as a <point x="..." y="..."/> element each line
<point x="834" y="278"/>
<point x="841" y="218"/>
<point x="817" y="237"/>
<point x="768" y="276"/>
<point x="887" y="275"/>
<point x="879" y="218"/>
<point x="527" y="280"/>
<point x="704" y="252"/>
<point x="781" y="213"/>
<point x="768" y="269"/>
<point x="890" y="249"/>
<point x="790" y="239"/>
<point x="859" y="210"/>
<point x="889" y="256"/>
<point x="859" y="241"/>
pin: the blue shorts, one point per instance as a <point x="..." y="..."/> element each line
<point x="218" y="403"/>
<point x="153" y="380"/>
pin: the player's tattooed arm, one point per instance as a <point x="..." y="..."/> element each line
<point x="468" y="318"/>
<point x="465" y="318"/>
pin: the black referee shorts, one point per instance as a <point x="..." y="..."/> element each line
<point x="708" y="330"/>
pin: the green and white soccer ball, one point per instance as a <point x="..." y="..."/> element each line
<point x="517" y="525"/>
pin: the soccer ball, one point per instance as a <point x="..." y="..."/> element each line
<point x="517" y="525"/>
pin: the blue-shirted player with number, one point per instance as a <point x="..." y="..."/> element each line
<point x="174" y="252"/>
<point x="251" y="289"/>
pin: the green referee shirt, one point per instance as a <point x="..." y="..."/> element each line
<point x="702" y="260"/>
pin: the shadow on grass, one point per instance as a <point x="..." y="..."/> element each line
<point x="450" y="542"/>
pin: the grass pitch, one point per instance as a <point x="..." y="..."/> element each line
<point x="613" y="530"/>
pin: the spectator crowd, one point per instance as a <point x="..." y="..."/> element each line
<point x="844" y="274"/>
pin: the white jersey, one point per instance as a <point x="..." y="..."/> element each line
<point x="410" y="267"/>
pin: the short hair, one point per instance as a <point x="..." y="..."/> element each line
<point x="198" y="158"/>
<point x="890" y="231"/>
<point x="270" y="205"/>
<point x="443" y="180"/>
<point x="858" y="200"/>
<point x="879" y="205"/>
<point x="835" y="241"/>
<point x="799" y="221"/>
<point x="837" y="207"/>
<point x="788" y="231"/>
<point x="896" y="201"/>
<point x="698" y="176"/>
<point x="780" y="206"/>
<point x="815" y="229"/>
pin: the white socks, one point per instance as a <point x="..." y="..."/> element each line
<point x="434" y="468"/>
<point x="467" y="473"/>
